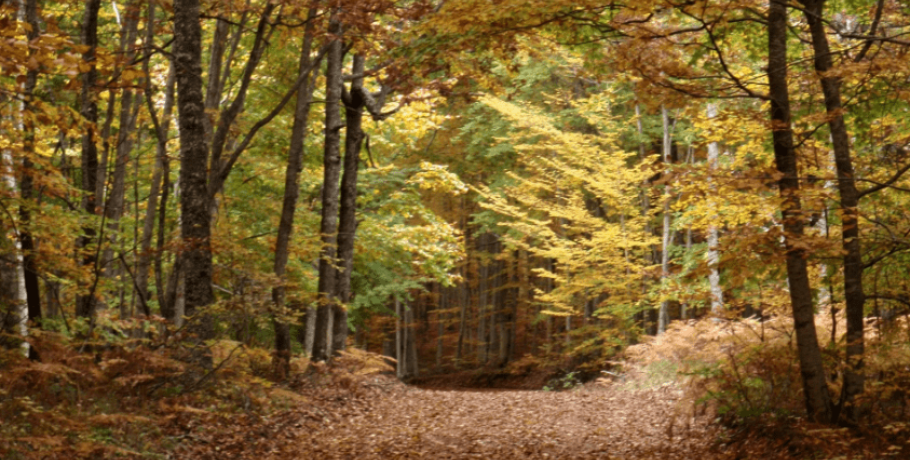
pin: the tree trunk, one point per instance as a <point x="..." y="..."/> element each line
<point x="717" y="293"/>
<point x="347" y="225"/>
<point x="156" y="189"/>
<point x="291" y="193"/>
<point x="26" y="182"/>
<point x="12" y="293"/>
<point x="441" y="305"/>
<point x="85" y="303"/>
<point x="329" y="227"/>
<point x="213" y="88"/>
<point x="664" y="317"/>
<point x="411" y="343"/>
<point x="815" y="390"/>
<point x="854" y="296"/>
<point x="400" y="358"/>
<point x="129" y="108"/>
<point x="194" y="197"/>
<point x="483" y="271"/>
<point x="462" y="316"/>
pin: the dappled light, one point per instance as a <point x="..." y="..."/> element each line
<point x="454" y="229"/>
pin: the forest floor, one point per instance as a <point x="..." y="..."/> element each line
<point x="378" y="417"/>
<point x="73" y="407"/>
<point x="589" y="422"/>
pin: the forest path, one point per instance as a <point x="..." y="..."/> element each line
<point x="588" y="423"/>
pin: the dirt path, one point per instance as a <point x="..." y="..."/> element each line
<point x="602" y="423"/>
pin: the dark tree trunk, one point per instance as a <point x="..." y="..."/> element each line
<point x="26" y="182"/>
<point x="85" y="303"/>
<point x="291" y="193"/>
<point x="213" y="87"/>
<point x="347" y="222"/>
<point x="167" y="308"/>
<point x="194" y="197"/>
<point x="322" y="340"/>
<point x="818" y="401"/>
<point x="129" y="106"/>
<point x="849" y="197"/>
<point x="9" y="296"/>
<point x="463" y="297"/>
<point x="157" y="188"/>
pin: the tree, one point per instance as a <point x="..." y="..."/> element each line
<point x="291" y="194"/>
<point x="322" y="348"/>
<point x="818" y="400"/>
<point x="849" y="201"/>
<point x="85" y="303"/>
<point x="194" y="195"/>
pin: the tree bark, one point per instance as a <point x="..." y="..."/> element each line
<point x="194" y="197"/>
<point x="400" y="358"/>
<point x="291" y="193"/>
<point x="815" y="390"/>
<point x="441" y="305"/>
<point x="156" y="188"/>
<point x="26" y="181"/>
<point x="854" y="296"/>
<point x="664" y="317"/>
<point x="347" y="224"/>
<point x="85" y="302"/>
<point x="329" y="227"/>
<point x="114" y="204"/>
<point x="717" y="293"/>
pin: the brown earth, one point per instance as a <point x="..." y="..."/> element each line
<point x="380" y="418"/>
<point x="588" y="423"/>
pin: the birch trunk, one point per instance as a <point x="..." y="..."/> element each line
<point x="29" y="270"/>
<point x="664" y="317"/>
<point x="717" y="293"/>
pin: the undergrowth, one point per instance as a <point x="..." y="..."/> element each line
<point x="141" y="398"/>
<point x="744" y="375"/>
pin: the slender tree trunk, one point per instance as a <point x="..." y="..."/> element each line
<point x="291" y="193"/>
<point x="815" y="390"/>
<point x="195" y="225"/>
<point x="129" y="108"/>
<point x="218" y="167"/>
<point x="717" y="293"/>
<point x="85" y="303"/>
<point x="329" y="227"/>
<point x="26" y="182"/>
<point x="12" y="290"/>
<point x="11" y="324"/>
<point x="463" y="297"/>
<point x="347" y="224"/>
<point x="411" y="343"/>
<point x="664" y="317"/>
<point x="156" y="189"/>
<point x="400" y="358"/>
<point x="482" y="294"/>
<point x="645" y="203"/>
<point x="441" y="305"/>
<point x="854" y="296"/>
<point x="213" y="88"/>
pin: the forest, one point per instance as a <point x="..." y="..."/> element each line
<point x="455" y="229"/>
